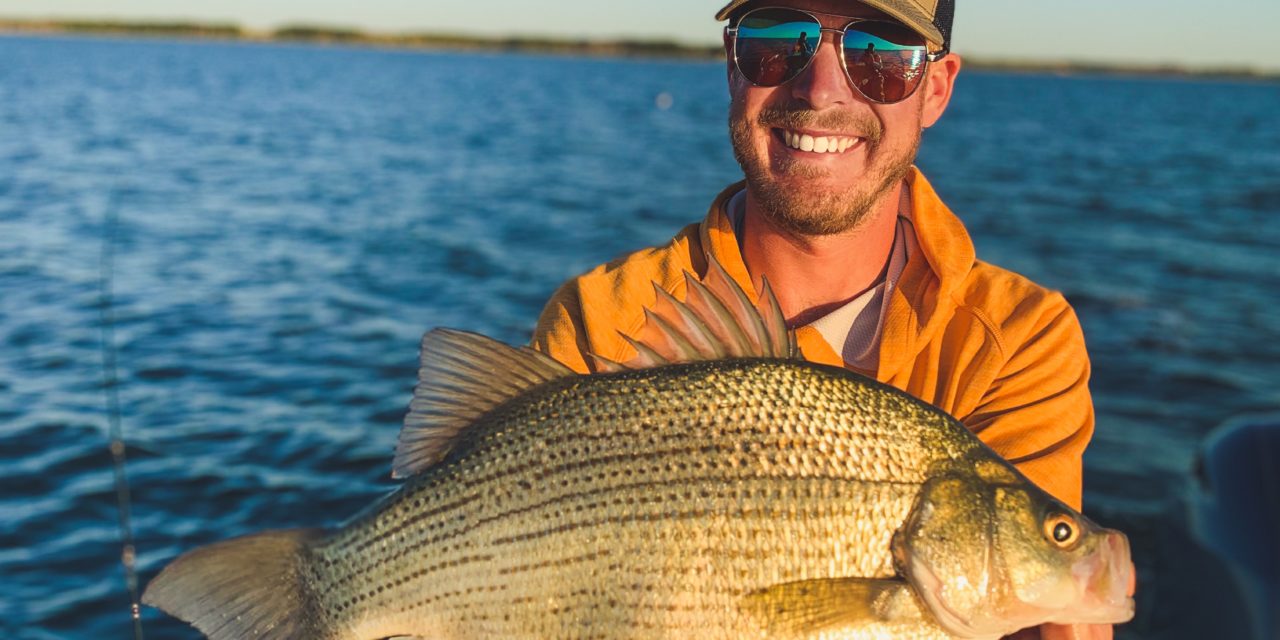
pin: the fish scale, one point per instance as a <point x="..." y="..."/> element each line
<point x="685" y="487"/>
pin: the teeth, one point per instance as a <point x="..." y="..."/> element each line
<point x="819" y="144"/>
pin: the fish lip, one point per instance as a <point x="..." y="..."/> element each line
<point x="1106" y="613"/>
<point x="1118" y="612"/>
<point x="1106" y="580"/>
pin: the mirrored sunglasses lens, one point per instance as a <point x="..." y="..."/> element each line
<point x="886" y="61"/>
<point x="774" y="45"/>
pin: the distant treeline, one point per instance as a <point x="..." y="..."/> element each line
<point x="1116" y="69"/>
<point x="636" y="48"/>
<point x="203" y="30"/>
<point x="325" y="34"/>
<point x="612" y="48"/>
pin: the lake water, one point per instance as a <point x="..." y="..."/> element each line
<point x="291" y="219"/>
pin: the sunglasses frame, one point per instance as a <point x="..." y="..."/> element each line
<point x="929" y="57"/>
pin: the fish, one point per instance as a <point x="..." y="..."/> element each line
<point x="715" y="486"/>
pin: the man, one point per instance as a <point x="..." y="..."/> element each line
<point x="875" y="64"/>
<point x="801" y="53"/>
<point x="870" y="267"/>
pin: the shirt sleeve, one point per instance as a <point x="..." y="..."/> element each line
<point x="1038" y="413"/>
<point x="560" y="332"/>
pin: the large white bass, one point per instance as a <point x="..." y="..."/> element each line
<point x="722" y="489"/>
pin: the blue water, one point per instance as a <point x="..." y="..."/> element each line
<point x="291" y="219"/>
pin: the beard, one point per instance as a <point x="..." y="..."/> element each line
<point x="814" y="212"/>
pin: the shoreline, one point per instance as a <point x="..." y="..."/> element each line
<point x="624" y="48"/>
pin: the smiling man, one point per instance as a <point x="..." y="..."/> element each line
<point x="872" y="270"/>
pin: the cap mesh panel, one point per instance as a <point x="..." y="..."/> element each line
<point x="942" y="20"/>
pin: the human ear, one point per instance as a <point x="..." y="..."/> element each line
<point x="939" y="82"/>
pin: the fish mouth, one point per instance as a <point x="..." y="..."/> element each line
<point x="1103" y="586"/>
<point x="1106" y="582"/>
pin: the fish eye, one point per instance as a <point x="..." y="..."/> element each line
<point x="1061" y="529"/>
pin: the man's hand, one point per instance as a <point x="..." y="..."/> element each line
<point x="1065" y="632"/>
<point x="1076" y="632"/>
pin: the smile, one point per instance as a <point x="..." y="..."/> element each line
<point x="818" y="144"/>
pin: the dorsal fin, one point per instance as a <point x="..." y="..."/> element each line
<point x="717" y="320"/>
<point x="461" y="377"/>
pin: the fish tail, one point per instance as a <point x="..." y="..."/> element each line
<point x="255" y="586"/>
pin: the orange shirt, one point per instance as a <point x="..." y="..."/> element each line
<point x="997" y="351"/>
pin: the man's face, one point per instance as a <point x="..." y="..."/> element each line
<point x="807" y="192"/>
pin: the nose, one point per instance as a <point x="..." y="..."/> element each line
<point x="823" y="83"/>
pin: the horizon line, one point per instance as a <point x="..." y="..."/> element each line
<point x="629" y="47"/>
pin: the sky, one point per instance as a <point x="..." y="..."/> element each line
<point x="1230" y="33"/>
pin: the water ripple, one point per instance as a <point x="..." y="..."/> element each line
<point x="293" y="218"/>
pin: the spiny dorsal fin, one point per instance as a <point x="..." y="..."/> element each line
<point x="717" y="320"/>
<point x="462" y="376"/>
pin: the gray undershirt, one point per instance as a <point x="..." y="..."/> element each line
<point x="854" y="329"/>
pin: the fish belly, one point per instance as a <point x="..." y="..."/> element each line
<point x="639" y="561"/>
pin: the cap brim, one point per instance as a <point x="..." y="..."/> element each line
<point x="905" y="11"/>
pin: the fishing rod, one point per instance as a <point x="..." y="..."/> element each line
<point x="111" y="389"/>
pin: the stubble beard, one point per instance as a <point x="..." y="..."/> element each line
<point x="814" y="212"/>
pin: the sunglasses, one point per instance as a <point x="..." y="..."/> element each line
<point x="884" y="60"/>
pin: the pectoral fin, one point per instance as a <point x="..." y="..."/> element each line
<point x="801" y="608"/>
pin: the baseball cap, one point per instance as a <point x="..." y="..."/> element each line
<point x="930" y="18"/>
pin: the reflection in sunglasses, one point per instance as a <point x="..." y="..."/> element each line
<point x="884" y="61"/>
